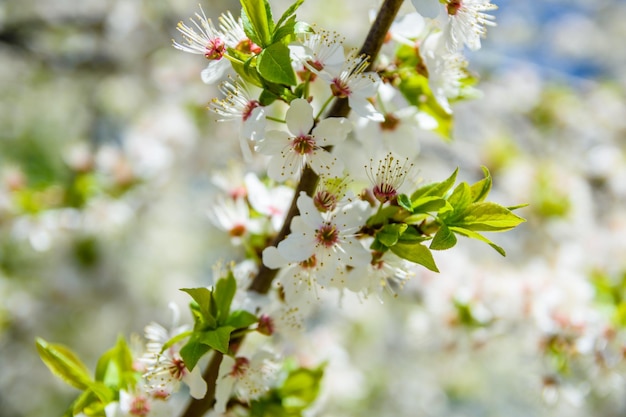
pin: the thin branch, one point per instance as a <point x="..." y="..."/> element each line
<point x="308" y="182"/>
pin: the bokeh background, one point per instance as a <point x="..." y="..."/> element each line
<point x="107" y="155"/>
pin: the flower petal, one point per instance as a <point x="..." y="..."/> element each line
<point x="299" y="117"/>
<point x="197" y="384"/>
<point x="331" y="131"/>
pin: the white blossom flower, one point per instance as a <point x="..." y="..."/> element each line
<point x="290" y="152"/>
<point x="352" y="82"/>
<point x="329" y="240"/>
<point x="233" y="216"/>
<point x="238" y="105"/>
<point x="384" y="272"/>
<point x="138" y="404"/>
<point x="321" y="50"/>
<point x="247" y="378"/>
<point x="389" y="177"/>
<point x="467" y="23"/>
<point x="165" y="369"/>
<point x="270" y="201"/>
<point x="445" y="71"/>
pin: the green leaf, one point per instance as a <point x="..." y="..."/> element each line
<point x="405" y="202"/>
<point x="223" y="295"/>
<point x="477" y="236"/>
<point x="286" y="31"/>
<point x="382" y="216"/>
<point x="204" y="297"/>
<point x="481" y="189"/>
<point x="289" y="12"/>
<point x="416" y="253"/>
<point x="461" y="197"/>
<point x="274" y="65"/>
<point x="192" y="352"/>
<point x="241" y="319"/>
<point x="258" y="21"/>
<point x="487" y="217"/>
<point x="218" y="339"/>
<point x="390" y="233"/>
<point x="115" y="366"/>
<point x="444" y="239"/>
<point x="428" y="204"/>
<point x="64" y="363"/>
<point x="300" y="388"/>
<point x="438" y="189"/>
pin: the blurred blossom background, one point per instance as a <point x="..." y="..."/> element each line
<point x="107" y="163"/>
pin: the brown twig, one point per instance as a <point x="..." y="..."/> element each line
<point x="308" y="182"/>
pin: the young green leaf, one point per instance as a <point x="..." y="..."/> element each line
<point x="405" y="202"/>
<point x="274" y="65"/>
<point x="416" y="253"/>
<point x="223" y="295"/>
<point x="204" y="297"/>
<point x="477" y="236"/>
<point x="481" y="189"/>
<point x="217" y="339"/>
<point x="437" y="189"/>
<point x="443" y="239"/>
<point x="486" y="217"/>
<point x="258" y="21"/>
<point x="241" y="319"/>
<point x="192" y="352"/>
<point x="64" y="363"/>
<point x="301" y="388"/>
<point x="115" y="366"/>
<point x="390" y="233"/>
<point x="289" y="12"/>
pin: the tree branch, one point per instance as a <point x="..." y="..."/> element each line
<point x="308" y="182"/>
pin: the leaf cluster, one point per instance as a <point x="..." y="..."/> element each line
<point x="214" y="323"/>
<point x="114" y="372"/>
<point x="438" y="213"/>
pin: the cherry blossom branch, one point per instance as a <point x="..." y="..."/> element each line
<point x="309" y="179"/>
<point x="308" y="182"/>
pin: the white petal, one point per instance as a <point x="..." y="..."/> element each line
<point x="225" y="384"/>
<point x="309" y="215"/>
<point x="353" y="253"/>
<point x="297" y="247"/>
<point x="299" y="117"/>
<point x="331" y="131"/>
<point x="214" y="71"/>
<point x="364" y="108"/>
<point x="325" y="164"/>
<point x="273" y="142"/>
<point x="254" y="127"/>
<point x="197" y="384"/>
<point x="272" y="258"/>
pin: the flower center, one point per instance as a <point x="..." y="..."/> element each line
<point x="309" y="263"/>
<point x="240" y="367"/>
<point x="215" y="49"/>
<point x="340" y="88"/>
<point x="248" y="47"/>
<point x="266" y="325"/>
<point x="325" y="201"/>
<point x="247" y="111"/>
<point x="237" y="230"/>
<point x="390" y="123"/>
<point x="303" y="144"/>
<point x="177" y="369"/>
<point x="140" y="406"/>
<point x="453" y="6"/>
<point x="327" y="235"/>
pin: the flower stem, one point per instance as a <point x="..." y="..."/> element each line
<point x="308" y="182"/>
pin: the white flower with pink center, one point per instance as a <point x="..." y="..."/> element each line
<point x="467" y="23"/>
<point x="238" y="105"/>
<point x="331" y="240"/>
<point x="269" y="201"/>
<point x="351" y="81"/>
<point x="304" y="144"/>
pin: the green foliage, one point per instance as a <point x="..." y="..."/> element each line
<point x="214" y="323"/>
<point x="296" y="393"/>
<point x="610" y="293"/>
<point x="114" y="371"/>
<point x="435" y="213"/>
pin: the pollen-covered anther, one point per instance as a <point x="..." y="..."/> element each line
<point x="453" y="6"/>
<point x="327" y="235"/>
<point x="389" y="177"/>
<point x="303" y="144"/>
<point x="215" y="49"/>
